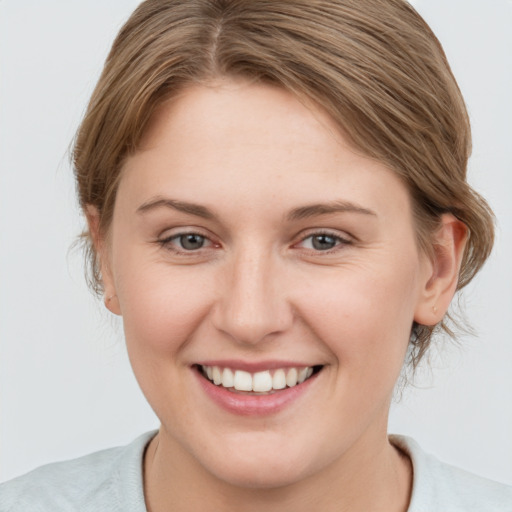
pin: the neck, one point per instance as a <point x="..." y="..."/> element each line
<point x="364" y="478"/>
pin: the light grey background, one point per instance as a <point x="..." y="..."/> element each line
<point x="65" y="383"/>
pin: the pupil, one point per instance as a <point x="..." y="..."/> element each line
<point x="323" y="242"/>
<point x="191" y="242"/>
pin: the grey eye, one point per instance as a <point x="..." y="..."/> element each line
<point x="191" y="241"/>
<point x="323" y="242"/>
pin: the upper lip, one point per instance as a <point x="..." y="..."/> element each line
<point x="254" y="366"/>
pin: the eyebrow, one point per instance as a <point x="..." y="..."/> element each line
<point x="300" y="213"/>
<point x="314" y="210"/>
<point x="181" y="206"/>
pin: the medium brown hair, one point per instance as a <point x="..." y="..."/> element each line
<point x="373" y="65"/>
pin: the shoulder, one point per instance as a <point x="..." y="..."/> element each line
<point x="99" y="481"/>
<point x="441" y="487"/>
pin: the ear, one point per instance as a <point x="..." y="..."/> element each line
<point x="442" y="275"/>
<point x="103" y="256"/>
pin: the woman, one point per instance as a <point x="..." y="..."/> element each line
<point x="231" y="167"/>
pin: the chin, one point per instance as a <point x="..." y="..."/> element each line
<point x="255" y="463"/>
<point x="261" y="475"/>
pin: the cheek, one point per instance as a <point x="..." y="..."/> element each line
<point x="162" y="309"/>
<point x="364" y="314"/>
<point x="161" y="305"/>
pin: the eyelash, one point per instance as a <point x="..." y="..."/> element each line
<point x="167" y="243"/>
<point x="170" y="243"/>
<point x="339" y="241"/>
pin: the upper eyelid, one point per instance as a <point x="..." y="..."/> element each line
<point x="171" y="245"/>
<point x="343" y="240"/>
<point x="340" y="240"/>
<point x="176" y="236"/>
<point x="193" y="230"/>
<point x="183" y="230"/>
<point x="327" y="232"/>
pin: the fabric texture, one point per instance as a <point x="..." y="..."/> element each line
<point x="439" y="487"/>
<point x="105" y="481"/>
<point x="111" y="480"/>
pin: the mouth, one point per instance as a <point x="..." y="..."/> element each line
<point x="266" y="382"/>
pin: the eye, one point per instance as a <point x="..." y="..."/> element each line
<point x="323" y="242"/>
<point x="191" y="241"/>
<point x="185" y="242"/>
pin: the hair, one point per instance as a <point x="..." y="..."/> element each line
<point x="373" y="65"/>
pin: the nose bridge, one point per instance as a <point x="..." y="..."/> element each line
<point x="253" y="304"/>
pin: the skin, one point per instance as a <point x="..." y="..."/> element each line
<point x="258" y="289"/>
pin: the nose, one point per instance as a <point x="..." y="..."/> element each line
<point x="252" y="305"/>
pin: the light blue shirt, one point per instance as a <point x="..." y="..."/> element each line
<point x="111" y="481"/>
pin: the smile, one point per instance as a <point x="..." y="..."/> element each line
<point x="256" y="389"/>
<point x="267" y="381"/>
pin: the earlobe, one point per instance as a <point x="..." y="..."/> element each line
<point x="102" y="254"/>
<point x="440" y="283"/>
<point x="112" y="304"/>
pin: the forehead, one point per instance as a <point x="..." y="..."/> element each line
<point x="242" y="109"/>
<point x="259" y="142"/>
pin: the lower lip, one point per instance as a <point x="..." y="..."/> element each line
<point x="253" y="405"/>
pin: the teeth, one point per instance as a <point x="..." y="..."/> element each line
<point x="303" y="373"/>
<point x="242" y="381"/>
<point x="291" y="377"/>
<point x="228" y="379"/>
<point x="279" y="379"/>
<point x="217" y="377"/>
<point x="260" y="382"/>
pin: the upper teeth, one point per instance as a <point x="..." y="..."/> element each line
<point x="259" y="381"/>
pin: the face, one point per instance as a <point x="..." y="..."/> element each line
<point x="252" y="246"/>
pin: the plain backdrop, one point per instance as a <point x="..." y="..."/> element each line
<point x="66" y="387"/>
